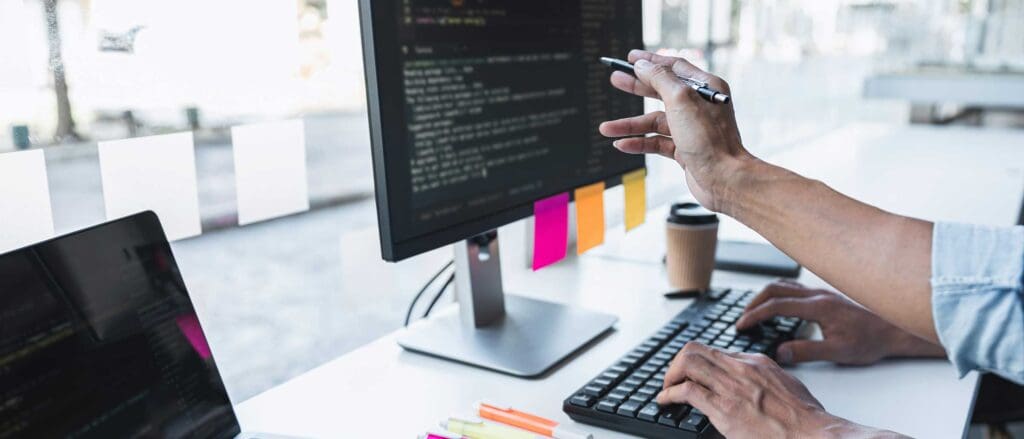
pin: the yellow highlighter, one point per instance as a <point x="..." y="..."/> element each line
<point x="477" y="429"/>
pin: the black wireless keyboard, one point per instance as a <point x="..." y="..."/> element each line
<point x="621" y="397"/>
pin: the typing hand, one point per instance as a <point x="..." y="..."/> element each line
<point x="852" y="334"/>
<point x="748" y="395"/>
<point x="701" y="136"/>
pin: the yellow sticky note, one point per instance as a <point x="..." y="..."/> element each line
<point x="636" y="199"/>
<point x="589" y="217"/>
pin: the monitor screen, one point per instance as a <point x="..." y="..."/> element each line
<point x="480" y="107"/>
<point x="98" y="339"/>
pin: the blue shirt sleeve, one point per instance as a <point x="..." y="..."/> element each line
<point x="977" y="297"/>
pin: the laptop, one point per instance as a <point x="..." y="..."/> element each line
<point x="98" y="339"/>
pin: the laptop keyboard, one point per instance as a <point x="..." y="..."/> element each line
<point x="621" y="397"/>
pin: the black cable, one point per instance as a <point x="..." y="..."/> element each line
<point x="408" y="314"/>
<point x="439" y="294"/>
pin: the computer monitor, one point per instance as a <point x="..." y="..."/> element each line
<point x="477" y="109"/>
<point x="98" y="339"/>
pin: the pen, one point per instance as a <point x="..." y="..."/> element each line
<point x="477" y="429"/>
<point x="526" y="421"/>
<point x="709" y="94"/>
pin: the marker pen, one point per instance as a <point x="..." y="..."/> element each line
<point x="477" y="429"/>
<point x="526" y="421"/>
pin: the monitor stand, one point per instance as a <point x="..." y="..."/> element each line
<point x="504" y="333"/>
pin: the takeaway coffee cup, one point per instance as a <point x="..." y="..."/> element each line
<point x="691" y="238"/>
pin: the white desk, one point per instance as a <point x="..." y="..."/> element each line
<point x="381" y="391"/>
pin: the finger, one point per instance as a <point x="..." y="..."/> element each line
<point x="629" y="84"/>
<point x="660" y="145"/>
<point x="778" y="289"/>
<point x="679" y="65"/>
<point x="696" y="362"/>
<point x="653" y="122"/>
<point x="666" y="83"/>
<point x="800" y="351"/>
<point x="804" y="308"/>
<point x="689" y="393"/>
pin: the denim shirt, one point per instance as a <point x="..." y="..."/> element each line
<point x="977" y="297"/>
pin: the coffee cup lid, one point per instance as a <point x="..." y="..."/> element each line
<point x="690" y="214"/>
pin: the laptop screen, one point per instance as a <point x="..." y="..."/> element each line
<point x="98" y="339"/>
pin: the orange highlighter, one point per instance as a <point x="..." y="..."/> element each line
<point x="528" y="422"/>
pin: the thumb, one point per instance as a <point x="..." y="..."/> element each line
<point x="800" y="351"/>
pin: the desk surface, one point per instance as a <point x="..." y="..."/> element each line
<point x="396" y="394"/>
<point x="1002" y="90"/>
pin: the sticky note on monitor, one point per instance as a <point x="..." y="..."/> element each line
<point x="634" y="187"/>
<point x="550" y="230"/>
<point x="25" y="212"/>
<point x="155" y="173"/>
<point x="270" y="170"/>
<point x="589" y="217"/>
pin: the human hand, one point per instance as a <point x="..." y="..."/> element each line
<point x="701" y="136"/>
<point x="748" y="395"/>
<point x="852" y="334"/>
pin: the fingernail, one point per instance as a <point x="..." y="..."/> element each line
<point x="642" y="64"/>
<point x="658" y="396"/>
<point x="784" y="354"/>
<point x="615" y="143"/>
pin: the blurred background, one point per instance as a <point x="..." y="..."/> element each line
<point x="75" y="72"/>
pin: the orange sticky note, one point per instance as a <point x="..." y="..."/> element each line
<point x="589" y="217"/>
<point x="636" y="198"/>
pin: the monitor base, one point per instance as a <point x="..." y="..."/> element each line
<point x="531" y="339"/>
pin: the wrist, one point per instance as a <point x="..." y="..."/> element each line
<point x="836" y="427"/>
<point x="738" y="176"/>
<point x="905" y="344"/>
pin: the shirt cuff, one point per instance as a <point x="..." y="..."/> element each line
<point x="976" y="297"/>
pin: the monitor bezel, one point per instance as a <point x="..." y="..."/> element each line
<point x="386" y="105"/>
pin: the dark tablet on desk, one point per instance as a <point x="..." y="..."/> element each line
<point x="755" y="258"/>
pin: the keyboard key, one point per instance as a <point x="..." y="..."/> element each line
<point x="639" y="397"/>
<point x="650" y="412"/>
<point x="694" y="422"/>
<point x="618" y="368"/>
<point x="611" y="376"/>
<point x="603" y="383"/>
<point x="720" y="344"/>
<point x="606" y="405"/>
<point x="672" y="414"/>
<point x="633" y="382"/>
<point x="629" y="409"/>
<point x="642" y="376"/>
<point x="648" y="390"/>
<point x="719" y="325"/>
<point x="758" y="348"/>
<point x="594" y="391"/>
<point x="582" y="400"/>
<point x="625" y="388"/>
<point x="617" y="396"/>
<point x="655" y="383"/>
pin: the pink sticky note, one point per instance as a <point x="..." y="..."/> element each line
<point x="550" y="230"/>
<point x="189" y="326"/>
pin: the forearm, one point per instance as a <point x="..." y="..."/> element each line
<point x="907" y="345"/>
<point x="879" y="259"/>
